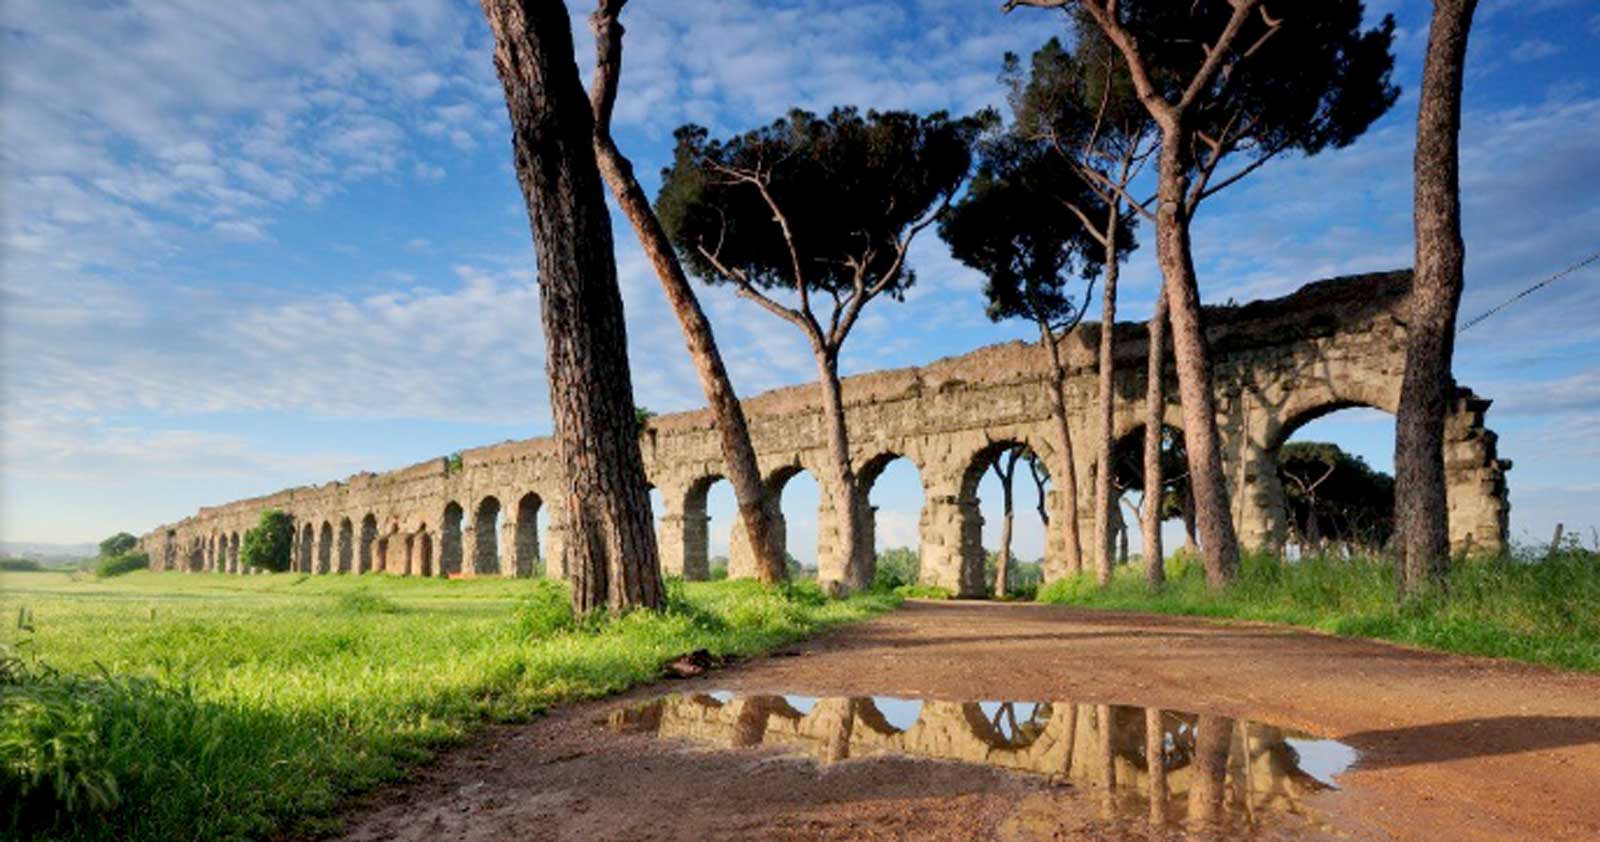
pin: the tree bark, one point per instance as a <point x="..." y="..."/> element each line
<point x="743" y="471"/>
<point x="1155" y="761"/>
<point x="1069" y="477"/>
<point x="1104" y="506"/>
<point x="1155" y="407"/>
<point x="611" y="544"/>
<point x="1420" y="516"/>
<point x="842" y="485"/>
<point x="1004" y="561"/>
<point x="1219" y="545"/>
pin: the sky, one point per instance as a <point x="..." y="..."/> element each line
<point x="247" y="246"/>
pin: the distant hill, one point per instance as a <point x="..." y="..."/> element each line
<point x="47" y="552"/>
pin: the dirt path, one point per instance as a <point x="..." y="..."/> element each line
<point x="1449" y="747"/>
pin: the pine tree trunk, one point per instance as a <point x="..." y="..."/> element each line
<point x="611" y="544"/>
<point x="1069" y="479"/>
<point x="1155" y="405"/>
<point x="1421" y="516"/>
<point x="1218" y="543"/>
<point x="842" y="484"/>
<point x="1004" y="560"/>
<point x="1103" y="504"/>
<point x="743" y="471"/>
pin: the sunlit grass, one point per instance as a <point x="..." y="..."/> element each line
<point x="1537" y="608"/>
<point x="227" y="707"/>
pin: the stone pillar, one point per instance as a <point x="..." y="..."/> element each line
<point x="343" y="551"/>
<point x="1475" y="480"/>
<point x="555" y="537"/>
<point x="952" y="539"/>
<point x="831" y="561"/>
<point x="508" y="545"/>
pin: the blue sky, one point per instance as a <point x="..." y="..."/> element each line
<point x="247" y="246"/>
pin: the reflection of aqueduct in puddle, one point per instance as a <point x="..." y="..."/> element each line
<point x="1278" y="365"/>
<point x="1207" y="767"/>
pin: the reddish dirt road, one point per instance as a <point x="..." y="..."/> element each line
<point x="1449" y="747"/>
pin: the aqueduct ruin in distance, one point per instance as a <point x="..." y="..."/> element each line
<point x="1278" y="364"/>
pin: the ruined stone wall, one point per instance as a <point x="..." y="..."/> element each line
<point x="1278" y="365"/>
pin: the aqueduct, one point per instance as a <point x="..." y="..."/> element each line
<point x="1278" y="364"/>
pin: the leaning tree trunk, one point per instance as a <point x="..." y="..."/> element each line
<point x="1420" y="515"/>
<point x="1218" y="543"/>
<point x="842" y="483"/>
<point x="1069" y="478"/>
<point x="1103" y="504"/>
<point x="1155" y="407"/>
<point x="744" y="473"/>
<point x="611" y="547"/>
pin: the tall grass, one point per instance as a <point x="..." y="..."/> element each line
<point x="163" y="706"/>
<point x="1538" y="608"/>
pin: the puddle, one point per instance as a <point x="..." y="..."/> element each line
<point x="1167" y="766"/>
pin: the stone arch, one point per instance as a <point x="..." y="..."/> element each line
<point x="486" y="537"/>
<point x="450" y="548"/>
<point x="380" y="563"/>
<point x="778" y="482"/>
<point x="696" y="527"/>
<point x="969" y="579"/>
<point x="325" y="548"/>
<point x="344" y="555"/>
<point x="366" y="562"/>
<point x="1128" y="456"/>
<point x="867" y="477"/>
<point x="525" y="541"/>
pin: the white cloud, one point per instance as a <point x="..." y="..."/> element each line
<point x="1534" y="49"/>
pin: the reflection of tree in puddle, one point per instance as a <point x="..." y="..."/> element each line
<point x="1181" y="767"/>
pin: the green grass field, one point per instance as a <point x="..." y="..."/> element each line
<point x="172" y="706"/>
<point x="1544" y="610"/>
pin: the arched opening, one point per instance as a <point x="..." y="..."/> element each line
<point x="409" y="541"/>
<point x="1005" y="518"/>
<point x="380" y="557"/>
<point x="234" y="565"/>
<point x="1178" y="526"/>
<point x="307" y="549"/>
<point x="797" y="519"/>
<point x="325" y="548"/>
<point x="365" y="561"/>
<point x="346" y="548"/>
<point x="486" y="538"/>
<point x="450" y="550"/>
<point x="525" y="547"/>
<point x="424" y="555"/>
<point x="893" y="519"/>
<point x="708" y="514"/>
<point x="1334" y="484"/>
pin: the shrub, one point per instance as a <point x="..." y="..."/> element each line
<point x="718" y="570"/>
<point x="19" y="565"/>
<point x="895" y="568"/>
<point x="266" y="545"/>
<point x="119" y="544"/>
<point x="109" y="566"/>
